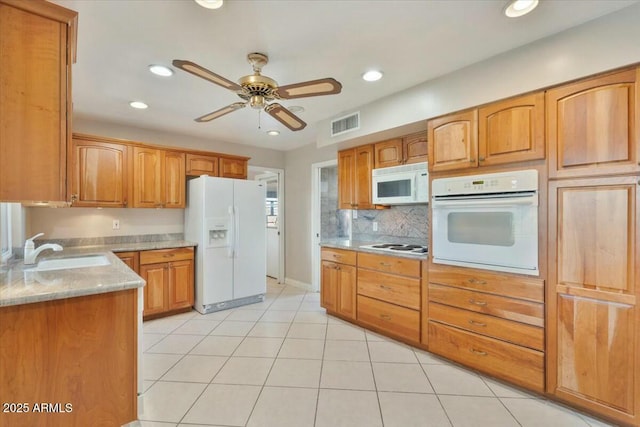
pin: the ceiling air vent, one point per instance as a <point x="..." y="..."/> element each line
<point x="345" y="124"/>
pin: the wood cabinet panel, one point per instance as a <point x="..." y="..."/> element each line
<point x="527" y="288"/>
<point x="592" y="126"/>
<point x="354" y="177"/>
<point x="338" y="288"/>
<point x="232" y="168"/>
<point x="197" y="165"/>
<point x="390" y="318"/>
<point x="329" y="286"/>
<point x="174" y="180"/>
<point x="389" y="264"/>
<point x="391" y="288"/>
<point x="506" y="330"/>
<point x="339" y="255"/>
<point x="507" y="308"/>
<point x="35" y="100"/>
<point x="388" y="153"/>
<point x="520" y="365"/>
<point x="180" y="284"/>
<point x="166" y="255"/>
<point x="511" y="130"/>
<point x="154" y="294"/>
<point x="132" y="259"/>
<point x="147" y="178"/>
<point x="98" y="174"/>
<point x="346" y="179"/>
<point x="415" y="148"/>
<point x="453" y="141"/>
<point x="81" y="351"/>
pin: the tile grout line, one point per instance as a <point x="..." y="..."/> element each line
<point x="373" y="375"/>
<point x="324" y="347"/>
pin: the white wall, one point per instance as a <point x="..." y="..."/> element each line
<point x="603" y="44"/>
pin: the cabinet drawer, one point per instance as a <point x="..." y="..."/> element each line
<point x="507" y="308"/>
<point x="404" y="291"/>
<point x="507" y="330"/>
<point x="339" y="255"/>
<point x="165" y="255"/>
<point x="522" y="366"/>
<point x="389" y="264"/>
<point x="528" y="288"/>
<point x="394" y="319"/>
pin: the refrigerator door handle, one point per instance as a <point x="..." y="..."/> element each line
<point x="231" y="238"/>
<point x="236" y="232"/>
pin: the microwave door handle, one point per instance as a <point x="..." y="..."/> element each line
<point x="415" y="187"/>
<point x="474" y="203"/>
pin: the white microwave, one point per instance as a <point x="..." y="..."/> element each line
<point x="400" y="185"/>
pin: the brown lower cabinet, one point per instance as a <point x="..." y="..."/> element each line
<point x="338" y="289"/>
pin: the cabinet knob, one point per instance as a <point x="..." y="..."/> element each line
<point x="480" y="303"/>
<point x="478" y="352"/>
<point x="473" y="322"/>
<point x="472" y="160"/>
<point x="74" y="198"/>
<point x="476" y="281"/>
<point x="385" y="317"/>
<point x="385" y="264"/>
<point x="386" y="288"/>
<point x="481" y="159"/>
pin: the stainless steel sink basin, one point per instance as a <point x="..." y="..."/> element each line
<point x="72" y="262"/>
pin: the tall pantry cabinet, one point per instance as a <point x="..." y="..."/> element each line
<point x="37" y="46"/>
<point x="593" y="343"/>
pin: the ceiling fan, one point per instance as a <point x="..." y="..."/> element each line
<point x="258" y="91"/>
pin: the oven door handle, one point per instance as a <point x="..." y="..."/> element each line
<point x="482" y="203"/>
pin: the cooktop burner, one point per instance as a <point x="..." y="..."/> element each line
<point x="391" y="247"/>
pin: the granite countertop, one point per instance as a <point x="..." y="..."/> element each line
<point x="20" y="284"/>
<point x="139" y="246"/>
<point x="354" y="245"/>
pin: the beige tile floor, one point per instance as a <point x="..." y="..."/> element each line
<point x="285" y="362"/>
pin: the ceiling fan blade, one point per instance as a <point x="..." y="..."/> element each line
<point x="285" y="117"/>
<point x="202" y="72"/>
<point x="221" y="112"/>
<point x="318" y="87"/>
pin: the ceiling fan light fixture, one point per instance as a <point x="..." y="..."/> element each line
<point x="160" y="70"/>
<point x="372" y="76"/>
<point x="517" y="8"/>
<point x="273" y="132"/>
<point x="138" y="105"/>
<point x="257" y="102"/>
<point x="210" y="4"/>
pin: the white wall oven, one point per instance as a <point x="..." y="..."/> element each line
<point x="487" y="221"/>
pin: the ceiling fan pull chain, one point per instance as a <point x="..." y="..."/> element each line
<point x="259" y="115"/>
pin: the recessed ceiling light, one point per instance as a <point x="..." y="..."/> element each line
<point x="138" y="104"/>
<point x="296" y="109"/>
<point x="517" y="8"/>
<point x="273" y="132"/>
<point x="161" y="70"/>
<point x="372" y="76"/>
<point x="210" y="4"/>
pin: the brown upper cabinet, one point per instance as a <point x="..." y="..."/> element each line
<point x="592" y="126"/>
<point x="354" y="177"/>
<point x="37" y="46"/>
<point x="98" y="173"/>
<point x="399" y="151"/>
<point x="502" y="132"/>
<point x="233" y="167"/>
<point x="159" y="179"/>
<point x="202" y="165"/>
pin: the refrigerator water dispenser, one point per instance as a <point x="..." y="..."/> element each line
<point x="218" y="229"/>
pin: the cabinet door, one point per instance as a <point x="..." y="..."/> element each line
<point x="346" y="178"/>
<point x="511" y="130"/>
<point x="233" y="168"/>
<point x="147" y="178"/>
<point x="156" y="276"/>
<point x="364" y="166"/>
<point x="174" y="180"/>
<point x="388" y="153"/>
<point x="453" y="141"/>
<point x="202" y="165"/>
<point x="593" y="126"/>
<point x="592" y="346"/>
<point x="35" y="100"/>
<point x="132" y="259"/>
<point x="180" y="292"/>
<point x="329" y="286"/>
<point x="415" y="148"/>
<point x="98" y="174"/>
<point x="347" y="290"/>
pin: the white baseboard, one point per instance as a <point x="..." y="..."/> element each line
<point x="298" y="284"/>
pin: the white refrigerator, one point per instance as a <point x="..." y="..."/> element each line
<point x="227" y="219"/>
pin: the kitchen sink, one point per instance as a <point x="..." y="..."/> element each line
<point x="72" y="262"/>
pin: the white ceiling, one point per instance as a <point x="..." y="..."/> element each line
<point x="410" y="41"/>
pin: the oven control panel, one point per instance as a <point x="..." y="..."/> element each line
<point x="502" y="182"/>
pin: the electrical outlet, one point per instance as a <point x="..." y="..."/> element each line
<point x="116" y="224"/>
<point x="354" y="214"/>
<point x="375" y="226"/>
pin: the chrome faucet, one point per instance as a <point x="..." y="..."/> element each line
<point x="30" y="254"/>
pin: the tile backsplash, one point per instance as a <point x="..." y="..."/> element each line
<point x="405" y="221"/>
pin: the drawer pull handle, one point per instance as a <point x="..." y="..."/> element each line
<point x="168" y="255"/>
<point x="478" y="352"/>
<point x="481" y="303"/>
<point x="385" y="264"/>
<point x="386" y="288"/>
<point x="473" y="322"/>
<point x="337" y="256"/>
<point x="385" y="317"/>
<point x="476" y="281"/>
